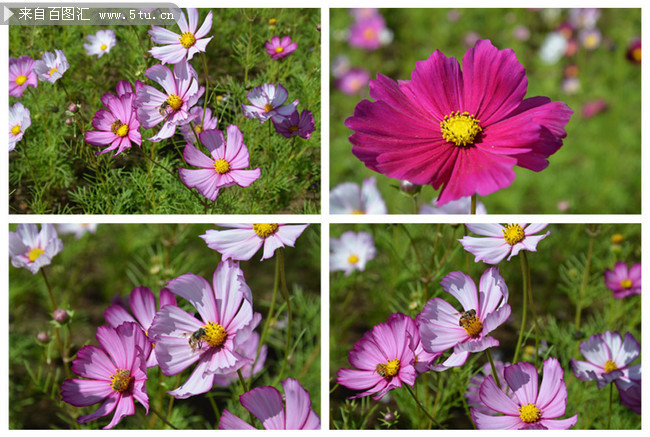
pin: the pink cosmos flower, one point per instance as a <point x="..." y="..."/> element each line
<point x="301" y="125"/>
<point x="622" y="281"/>
<point x="224" y="168"/>
<point x="31" y="249"/>
<point x="247" y="349"/>
<point x="532" y="407"/>
<point x="201" y="123"/>
<point x="608" y="358"/>
<point x="633" y="53"/>
<point x="351" y="252"/>
<point x="51" y="67"/>
<point x="502" y="241"/>
<point x="143" y="305"/>
<point x="443" y="327"/>
<point x="226" y="321"/>
<point x="460" y="206"/>
<point x="116" y="374"/>
<point x="472" y="395"/>
<point x="363" y="13"/>
<point x="100" y="43"/>
<point x="21" y="74"/>
<point x="244" y="239"/>
<point x="350" y="198"/>
<point x="630" y="392"/>
<point x="353" y="81"/>
<point x="291" y="411"/>
<point x="184" y="46"/>
<point x="279" y="48"/>
<point x="383" y="359"/>
<point x="267" y="103"/>
<point x="172" y="108"/>
<point x="421" y="359"/>
<point x="78" y="229"/>
<point x="365" y="32"/>
<point x="19" y="121"/>
<point x="593" y="107"/>
<point x="464" y="131"/>
<point x="118" y="126"/>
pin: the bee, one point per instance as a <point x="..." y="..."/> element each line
<point x="196" y="339"/>
<point x="381" y="369"/>
<point x="466" y="318"/>
<point x="164" y="108"/>
<point x="115" y="126"/>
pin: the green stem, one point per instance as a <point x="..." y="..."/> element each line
<point x="423" y="270"/>
<point x="523" y="312"/>
<point x="419" y="404"/>
<point x="165" y="421"/>
<point x="609" y="412"/>
<point x="532" y="305"/>
<point x="242" y="381"/>
<point x="170" y="405"/>
<point x="285" y="293"/>
<point x="585" y="280"/>
<point x="215" y="409"/>
<point x="495" y="375"/>
<point x="473" y="210"/>
<point x="56" y="330"/>
<point x="248" y="50"/>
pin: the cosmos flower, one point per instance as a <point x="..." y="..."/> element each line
<point x="301" y="125"/>
<point x="421" y="359"/>
<point x="225" y="166"/>
<point x="363" y="13"/>
<point x="585" y="18"/>
<point x="31" y="249"/>
<point x="383" y="360"/>
<point x="466" y="130"/>
<point x="350" y="198"/>
<point x="244" y="239"/>
<point x="340" y="66"/>
<point x="502" y="241"/>
<point x="51" y="67"/>
<point x="100" y="43"/>
<point x="633" y="53"/>
<point x="280" y="48"/>
<point x="590" y="38"/>
<point x="172" y="108"/>
<point x="291" y="411"/>
<point x="19" y="121"/>
<point x="630" y="391"/>
<point x="460" y="206"/>
<point x="226" y="321"/>
<point x="365" y="32"/>
<point x="622" y="281"/>
<point x="184" y="46"/>
<point x="201" y="123"/>
<point x="247" y="349"/>
<point x="594" y="107"/>
<point x="116" y="374"/>
<point x="351" y="252"/>
<point x="143" y="305"/>
<point x="267" y="103"/>
<point x="21" y="74"/>
<point x="608" y="358"/>
<point x="443" y="327"/>
<point x="78" y="229"/>
<point x="533" y="406"/>
<point x="472" y="395"/>
<point x="353" y="81"/>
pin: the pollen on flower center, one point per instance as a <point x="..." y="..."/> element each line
<point x="513" y="234"/>
<point x="388" y="370"/>
<point x="21" y="79"/>
<point x="187" y="40"/>
<point x="121" y="380"/>
<point x="529" y="413"/>
<point x="610" y="366"/>
<point x="353" y="259"/>
<point x="198" y="128"/>
<point x="221" y="166"/>
<point x="15" y="130"/>
<point x="636" y="54"/>
<point x="35" y="253"/>
<point x="471" y="324"/>
<point x="460" y="129"/>
<point x="103" y="47"/>
<point x="293" y="129"/>
<point x="626" y="283"/>
<point x="53" y="70"/>
<point x="268" y="107"/>
<point x="264" y="230"/>
<point x="174" y="102"/>
<point x="279" y="49"/>
<point x="369" y="34"/>
<point x="215" y="335"/>
<point x="123" y="130"/>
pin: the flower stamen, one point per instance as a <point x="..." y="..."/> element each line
<point x="460" y="129"/>
<point x="121" y="380"/>
<point x="388" y="370"/>
<point x="513" y="234"/>
<point x="21" y="79"/>
<point x="35" y="253"/>
<point x="53" y="70"/>
<point x="610" y="366"/>
<point x="221" y="166"/>
<point x="187" y="40"/>
<point x="268" y="107"/>
<point x="264" y="230"/>
<point x="279" y="49"/>
<point x="626" y="283"/>
<point x="529" y="413"/>
<point x="15" y="130"/>
<point x="353" y="259"/>
<point x="215" y="335"/>
<point x="103" y="47"/>
<point x="470" y="323"/>
<point x="174" y="102"/>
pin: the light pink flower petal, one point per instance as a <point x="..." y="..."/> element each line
<point x="204" y="180"/>
<point x="143" y="305"/>
<point x="164" y="76"/>
<point x="182" y="23"/>
<point x="104" y="409"/>
<point x="193" y="19"/>
<point x="493" y="397"/>
<point x="627" y="352"/>
<point x="462" y="287"/>
<point x="559" y="424"/>
<point x="160" y="35"/>
<point x="265" y="403"/>
<point x="198" y="382"/>
<point x="485" y="421"/>
<point x="456" y="359"/>
<point x="298" y="404"/>
<point x="476" y="344"/>
<point x="552" y="392"/>
<point x="488" y="250"/>
<point x="529" y="243"/>
<point x="205" y="27"/>
<point x="244" y="178"/>
<point x="238" y="244"/>
<point x="196" y="291"/>
<point x="194" y="157"/>
<point x="230" y="421"/>
<point x="492" y="291"/>
<point x="438" y="326"/>
<point x="595" y="350"/>
<point x="496" y="319"/>
<point x="534" y="228"/>
<point x="288" y="234"/>
<point x="522" y="380"/>
<point x="125" y="407"/>
<point x="115" y="315"/>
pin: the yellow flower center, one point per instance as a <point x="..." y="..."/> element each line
<point x="471" y="324"/>
<point x="215" y="335"/>
<point x="103" y="47"/>
<point x="513" y="234"/>
<point x="15" y="130"/>
<point x="529" y="413"/>
<point x="198" y="128"/>
<point x="279" y="50"/>
<point x="123" y="130"/>
<point x="35" y="253"/>
<point x="389" y="369"/>
<point x="369" y="34"/>
<point x="121" y="380"/>
<point x="187" y="40"/>
<point x="221" y="166"/>
<point x="610" y="366"/>
<point x="357" y="211"/>
<point x="626" y="283"/>
<point x="174" y="102"/>
<point x="353" y="259"/>
<point x="53" y="70"/>
<point x="636" y="54"/>
<point x="268" y="107"/>
<point x="617" y="239"/>
<point x="21" y="79"/>
<point x="460" y="129"/>
<point x="272" y="21"/>
<point x="265" y="229"/>
<point x="591" y="41"/>
<point x="293" y="129"/>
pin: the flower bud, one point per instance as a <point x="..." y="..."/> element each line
<point x="73" y="108"/>
<point x="68" y="121"/>
<point x="60" y="315"/>
<point x="43" y="337"/>
<point x="409" y="187"/>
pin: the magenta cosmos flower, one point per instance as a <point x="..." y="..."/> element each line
<point x="353" y="81"/>
<point x="267" y="102"/>
<point x="296" y="125"/>
<point x="202" y="122"/>
<point x="383" y="359"/>
<point x="351" y="252"/>
<point x="187" y="44"/>
<point x="630" y="392"/>
<point x="608" y="358"/>
<point x="226" y="321"/>
<point x="117" y="126"/>
<point x="224" y="168"/>
<point x="502" y="241"/>
<point x="31" y="249"/>
<point x="19" y="121"/>
<point x="51" y="67"/>
<point x="279" y="48"/>
<point x="365" y="33"/>
<point x="247" y="349"/>
<point x="116" y="374"/>
<point x="275" y="411"/>
<point x="143" y="305"/>
<point x="172" y="108"/>
<point x="100" y="43"/>
<point x="633" y="53"/>
<point x="464" y="131"/>
<point x="472" y="395"/>
<point x="443" y="327"/>
<point x="350" y="198"/>
<point x="21" y="74"/>
<point x="533" y="406"/>
<point x="622" y="281"/>
<point x="244" y="239"/>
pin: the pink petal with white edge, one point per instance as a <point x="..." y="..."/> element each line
<point x="238" y="244"/>
<point x="271" y="243"/>
<point x="529" y="243"/>
<point x="171" y="321"/>
<point x="125" y="407"/>
<point x="226" y="280"/>
<point x="166" y="131"/>
<point x="213" y="140"/>
<point x="492" y="292"/>
<point x="627" y="352"/>
<point x="204" y="180"/>
<point x="522" y="380"/>
<point x="164" y="76"/>
<point x="559" y="424"/>
<point x="192" y="20"/>
<point x="486" y="229"/>
<point x="160" y="35"/>
<point x="199" y="46"/>
<point x="106" y="408"/>
<point x="230" y="421"/>
<point x="266" y="404"/>
<point x="198" y="382"/>
<point x="485" y="421"/>
<point x="585" y="371"/>
<point x="244" y="178"/>
<point x="496" y="319"/>
<point x="494" y="398"/>
<point x="197" y="292"/>
<point x="456" y="359"/>
<point x="288" y="234"/>
<point x="595" y="350"/>
<point x="195" y="157"/>
<point x="143" y="305"/>
<point x="534" y="228"/>
<point x="175" y="354"/>
<point x="476" y="345"/>
<point x="552" y="396"/>
<point x="84" y="392"/>
<point x="438" y="326"/>
<point x="489" y="250"/>
<point x="205" y="27"/>
<point x="462" y="287"/>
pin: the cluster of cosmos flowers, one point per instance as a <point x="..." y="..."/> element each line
<point x="443" y="336"/>
<point x="218" y="339"/>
